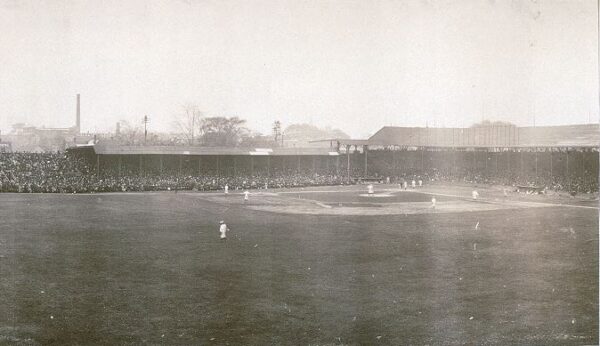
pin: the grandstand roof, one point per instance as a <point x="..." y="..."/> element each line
<point x="493" y="136"/>
<point x="344" y="141"/>
<point x="111" y="149"/>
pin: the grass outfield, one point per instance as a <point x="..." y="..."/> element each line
<point x="149" y="268"/>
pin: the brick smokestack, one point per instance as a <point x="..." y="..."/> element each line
<point x="78" y="119"/>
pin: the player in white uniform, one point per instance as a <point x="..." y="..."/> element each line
<point x="246" y="195"/>
<point x="370" y="189"/>
<point x="420" y="183"/>
<point x="226" y="188"/>
<point x="433" y="202"/>
<point x="405" y="185"/>
<point x="413" y="184"/>
<point x="474" y="194"/>
<point x="223" y="229"/>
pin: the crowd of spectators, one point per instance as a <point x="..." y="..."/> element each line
<point x="573" y="184"/>
<point x="63" y="173"/>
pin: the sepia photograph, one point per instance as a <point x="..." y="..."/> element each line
<point x="299" y="172"/>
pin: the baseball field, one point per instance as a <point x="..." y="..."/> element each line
<point x="313" y="266"/>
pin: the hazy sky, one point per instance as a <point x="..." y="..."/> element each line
<point x="356" y="65"/>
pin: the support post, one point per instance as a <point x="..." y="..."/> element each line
<point x="314" y="164"/>
<point x="120" y="165"/>
<point x="568" y="175"/>
<point x="252" y="165"/>
<point x="337" y="164"/>
<point x="234" y="166"/>
<point x="521" y="163"/>
<point x="141" y="165"/>
<point x="348" y="166"/>
<point x="366" y="150"/>
<point x="180" y="163"/>
<point x="98" y="164"/>
<point x="550" y="163"/>
<point x="536" y="163"/>
<point x="497" y="153"/>
<point x="487" y="157"/>
<point x="199" y="165"/>
<point x="268" y="166"/>
<point x="161" y="163"/>
<point x="218" y="166"/>
<point x="454" y="153"/>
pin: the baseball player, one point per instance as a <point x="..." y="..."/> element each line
<point x="413" y="184"/>
<point x="405" y="185"/>
<point x="226" y="189"/>
<point x="420" y="183"/>
<point x="433" y="202"/>
<point x="223" y="230"/>
<point x="370" y="189"/>
<point x="246" y="195"/>
<point x="474" y="194"/>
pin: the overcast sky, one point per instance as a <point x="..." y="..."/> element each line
<point x="356" y="65"/>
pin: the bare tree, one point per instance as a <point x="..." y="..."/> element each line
<point x="188" y="122"/>
<point x="130" y="134"/>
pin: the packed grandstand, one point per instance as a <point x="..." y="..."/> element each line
<point x="559" y="158"/>
<point x="69" y="172"/>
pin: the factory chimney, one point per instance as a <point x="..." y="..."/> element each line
<point x="78" y="119"/>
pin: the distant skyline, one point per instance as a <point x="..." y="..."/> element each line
<point x="352" y="65"/>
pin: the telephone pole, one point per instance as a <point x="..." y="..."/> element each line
<point x="145" y="121"/>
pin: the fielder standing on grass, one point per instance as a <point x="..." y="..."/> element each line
<point x="433" y="203"/>
<point x="246" y="194"/>
<point x="474" y="194"/>
<point x="223" y="230"/>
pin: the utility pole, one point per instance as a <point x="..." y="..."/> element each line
<point x="145" y="121"/>
<point x="277" y="132"/>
